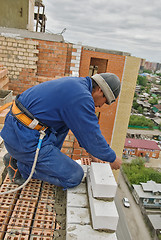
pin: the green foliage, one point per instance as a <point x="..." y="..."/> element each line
<point x="136" y="172"/>
<point x="140" y="109"/>
<point x="147" y="71"/>
<point x="135" y="105"/>
<point x="153" y="101"/>
<point x="142" y="80"/>
<point x="140" y="121"/>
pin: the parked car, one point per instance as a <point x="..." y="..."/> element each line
<point x="126" y="202"/>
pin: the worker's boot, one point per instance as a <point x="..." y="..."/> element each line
<point x="12" y="169"/>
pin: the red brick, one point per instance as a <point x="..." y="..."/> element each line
<point x="45" y="208"/>
<point x="45" y="222"/>
<point x="41" y="234"/>
<point x="6" y="180"/>
<point x="85" y="161"/>
<point x="77" y="151"/>
<point x="47" y="192"/>
<point x="76" y="156"/>
<point x="17" y="234"/>
<point x="4" y="218"/>
<point x="68" y="144"/>
<point x="28" y="193"/>
<point x="16" y="222"/>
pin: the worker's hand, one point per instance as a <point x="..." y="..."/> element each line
<point x="116" y="164"/>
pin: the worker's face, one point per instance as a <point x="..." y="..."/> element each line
<point x="98" y="97"/>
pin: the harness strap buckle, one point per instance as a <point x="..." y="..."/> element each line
<point x="33" y="124"/>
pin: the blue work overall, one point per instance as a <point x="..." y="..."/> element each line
<point x="61" y="104"/>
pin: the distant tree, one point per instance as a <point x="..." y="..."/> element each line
<point x="147" y="71"/>
<point x="140" y="109"/>
<point x="142" y="80"/>
<point x="153" y="101"/>
<point x="135" y="105"/>
<point x="160" y="126"/>
<point x="137" y="173"/>
<point x="140" y="121"/>
<point x="148" y="88"/>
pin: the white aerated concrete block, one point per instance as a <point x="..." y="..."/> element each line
<point x="77" y="200"/>
<point x="81" y="188"/>
<point x="85" y="232"/>
<point x="78" y="216"/>
<point x="102" y="180"/>
<point x="103" y="213"/>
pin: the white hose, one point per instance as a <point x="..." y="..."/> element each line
<point x="42" y="135"/>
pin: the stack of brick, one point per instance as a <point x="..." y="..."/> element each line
<point x="3" y="77"/>
<point x="18" y="54"/>
<point x="5" y="94"/>
<point x="31" y="213"/>
<point x="91" y="211"/>
<point x="44" y="223"/>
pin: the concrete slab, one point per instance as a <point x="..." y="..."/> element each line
<point x="78" y="216"/>
<point x="85" y="232"/>
<point x="22" y="33"/>
<point x="103" y="213"/>
<point x="103" y="181"/>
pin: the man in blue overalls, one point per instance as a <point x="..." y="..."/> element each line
<point x="55" y="107"/>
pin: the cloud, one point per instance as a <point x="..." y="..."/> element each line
<point x="114" y="24"/>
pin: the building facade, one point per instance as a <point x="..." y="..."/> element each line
<point x="141" y="148"/>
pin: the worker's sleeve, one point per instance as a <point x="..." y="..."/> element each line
<point x="80" y="117"/>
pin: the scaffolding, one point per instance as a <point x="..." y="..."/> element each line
<point x="39" y="16"/>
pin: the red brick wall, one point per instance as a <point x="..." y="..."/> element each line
<point x="53" y="62"/>
<point x="115" y="64"/>
<point x="51" y="58"/>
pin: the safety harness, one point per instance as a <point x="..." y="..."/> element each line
<point x="29" y="121"/>
<point x="25" y="117"/>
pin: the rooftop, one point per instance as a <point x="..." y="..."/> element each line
<point x="141" y="143"/>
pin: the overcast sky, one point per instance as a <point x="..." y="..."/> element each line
<point x="123" y="25"/>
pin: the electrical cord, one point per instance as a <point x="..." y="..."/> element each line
<point x="42" y="135"/>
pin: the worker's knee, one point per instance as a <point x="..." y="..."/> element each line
<point x="75" y="178"/>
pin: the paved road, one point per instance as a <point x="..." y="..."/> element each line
<point x="135" y="222"/>
<point x="122" y="228"/>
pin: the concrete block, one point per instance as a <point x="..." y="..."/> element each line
<point x="76" y="200"/>
<point x="85" y="232"/>
<point x="81" y="188"/>
<point x="103" y="181"/>
<point x="78" y="216"/>
<point x="103" y="213"/>
<point x="85" y="168"/>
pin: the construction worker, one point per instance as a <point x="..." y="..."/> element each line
<point x="55" y="107"/>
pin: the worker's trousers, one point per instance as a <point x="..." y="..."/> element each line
<point x="52" y="166"/>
